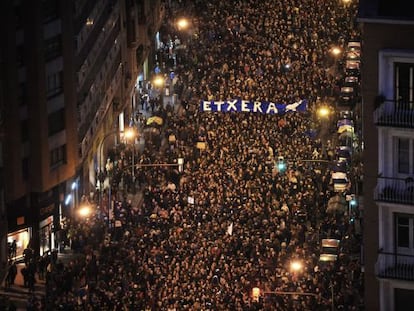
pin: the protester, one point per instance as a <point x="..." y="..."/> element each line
<point x="230" y="221"/>
<point x="11" y="274"/>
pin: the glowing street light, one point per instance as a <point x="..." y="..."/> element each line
<point x="296" y="266"/>
<point x="130" y="134"/>
<point x="84" y="211"/>
<point x="182" y="23"/>
<point x="323" y="112"/>
<point x="335" y="51"/>
<point x="158" y="81"/>
<point x="256" y="294"/>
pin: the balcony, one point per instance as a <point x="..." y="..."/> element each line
<point x="395" y="114"/>
<point x="395" y="266"/>
<point x="395" y="190"/>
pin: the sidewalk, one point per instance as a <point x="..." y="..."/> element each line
<point x="19" y="295"/>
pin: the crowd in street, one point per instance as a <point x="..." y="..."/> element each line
<point x="230" y="221"/>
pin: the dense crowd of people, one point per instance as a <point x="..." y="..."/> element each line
<point x="230" y="220"/>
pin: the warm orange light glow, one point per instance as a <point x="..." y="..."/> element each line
<point x="296" y="266"/>
<point x="84" y="211"/>
<point x="336" y="51"/>
<point x="255" y="293"/>
<point x="129" y="133"/>
<point x="182" y="23"/>
<point x="323" y="112"/>
<point x="158" y="81"/>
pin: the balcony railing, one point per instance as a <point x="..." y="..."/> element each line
<point x="395" y="114"/>
<point x="395" y="190"/>
<point x="395" y="266"/>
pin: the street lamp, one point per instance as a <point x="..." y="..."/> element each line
<point x="323" y="112"/>
<point x="74" y="189"/>
<point x="182" y="23"/>
<point x="352" y="203"/>
<point x="296" y="266"/>
<point x="84" y="211"/>
<point x="101" y="149"/>
<point x="102" y="175"/>
<point x="256" y="294"/>
<point x="159" y="82"/>
<point x="329" y="254"/>
<point x="335" y="51"/>
<point x="130" y="134"/>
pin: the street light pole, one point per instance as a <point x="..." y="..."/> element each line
<point x="133" y="166"/>
<point x="102" y="175"/>
<point x="159" y="82"/>
<point x="329" y="257"/>
<point x="323" y="114"/>
<point x="101" y="147"/>
<point x="131" y="134"/>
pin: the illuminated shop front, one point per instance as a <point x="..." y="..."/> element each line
<point x="46" y="229"/>
<point x="22" y="238"/>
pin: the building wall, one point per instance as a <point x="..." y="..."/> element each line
<point x="38" y="80"/>
<point x="34" y="188"/>
<point x="376" y="37"/>
<point x="139" y="21"/>
<point x="3" y="214"/>
<point x="35" y="107"/>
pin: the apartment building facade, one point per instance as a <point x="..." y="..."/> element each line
<point x="69" y="74"/>
<point x="388" y="130"/>
<point x="3" y="214"/>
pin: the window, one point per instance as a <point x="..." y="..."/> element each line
<point x="18" y="13"/>
<point x="54" y="84"/>
<point x="58" y="156"/>
<point x="405" y="233"/>
<point x="56" y="122"/>
<point x="396" y="78"/>
<point x="53" y="47"/>
<point x="50" y="10"/>
<point x="24" y="130"/>
<point x="20" y="55"/>
<point x="405" y="155"/>
<point x="403" y="299"/>
<point x="25" y="168"/>
<point x="22" y="94"/>
<point x="404" y="79"/>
